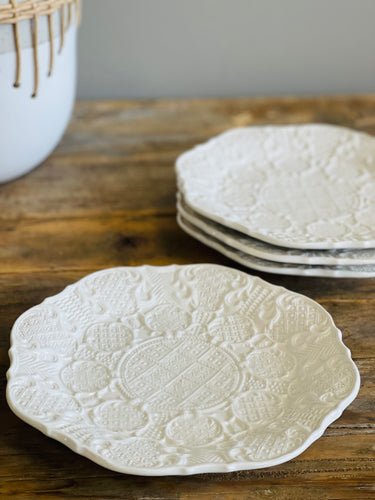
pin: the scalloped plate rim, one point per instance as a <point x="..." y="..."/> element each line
<point x="302" y="245"/>
<point x="178" y="470"/>
<point x="269" y="266"/>
<point x="203" y="223"/>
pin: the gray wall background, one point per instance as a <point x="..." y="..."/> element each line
<point x="211" y="48"/>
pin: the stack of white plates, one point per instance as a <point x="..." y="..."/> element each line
<point x="284" y="199"/>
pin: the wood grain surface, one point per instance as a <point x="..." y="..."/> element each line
<point x="106" y="197"/>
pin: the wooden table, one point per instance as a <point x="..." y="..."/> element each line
<point x="106" y="197"/>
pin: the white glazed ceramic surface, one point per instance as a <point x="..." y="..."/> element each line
<point x="267" y="266"/>
<point x="30" y="128"/>
<point x="302" y="186"/>
<point x="180" y="370"/>
<point x="266" y="251"/>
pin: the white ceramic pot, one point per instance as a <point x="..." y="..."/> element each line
<point x="31" y="127"/>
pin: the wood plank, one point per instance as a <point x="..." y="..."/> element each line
<point x="331" y="456"/>
<point x="89" y="243"/>
<point x="119" y="488"/>
<point x="119" y="155"/>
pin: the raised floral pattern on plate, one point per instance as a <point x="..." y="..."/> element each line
<point x="299" y="186"/>
<point x="204" y="369"/>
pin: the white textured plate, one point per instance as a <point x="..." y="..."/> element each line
<point x="263" y="250"/>
<point x="301" y="186"/>
<point x="267" y="266"/>
<point x="180" y="370"/>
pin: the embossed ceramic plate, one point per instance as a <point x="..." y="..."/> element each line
<point x="266" y="251"/>
<point x="359" y="271"/>
<point x="303" y="186"/>
<point x="179" y="370"/>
